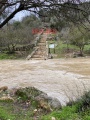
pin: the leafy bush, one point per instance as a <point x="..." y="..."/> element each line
<point x="84" y="102"/>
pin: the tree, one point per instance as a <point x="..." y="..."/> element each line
<point x="65" y="8"/>
<point x="19" y="34"/>
<point x="80" y="38"/>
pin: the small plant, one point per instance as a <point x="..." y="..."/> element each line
<point x="28" y="92"/>
<point x="84" y="102"/>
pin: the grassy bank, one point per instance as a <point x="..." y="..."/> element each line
<point x="7" y="56"/>
<point x="79" y="110"/>
<point x="69" y="113"/>
<point x="16" y="112"/>
<point x="16" y="55"/>
<point x="62" y="49"/>
<point x="25" y="108"/>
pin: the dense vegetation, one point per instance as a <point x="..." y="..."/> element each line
<point x="18" y="36"/>
<point x="17" y="39"/>
<point x="69" y="19"/>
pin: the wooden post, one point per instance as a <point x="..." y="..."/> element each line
<point x="49" y="50"/>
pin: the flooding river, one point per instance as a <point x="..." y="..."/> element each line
<point x="65" y="79"/>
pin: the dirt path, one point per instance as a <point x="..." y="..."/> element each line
<point x="64" y="79"/>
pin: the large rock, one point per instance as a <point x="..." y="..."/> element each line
<point x="4" y="88"/>
<point x="7" y="98"/>
<point x="43" y="104"/>
<point x="42" y="96"/>
<point x="44" y="101"/>
<point x="54" y="103"/>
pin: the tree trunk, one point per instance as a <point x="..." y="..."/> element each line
<point x="9" y="50"/>
<point x="13" y="48"/>
<point x="81" y="50"/>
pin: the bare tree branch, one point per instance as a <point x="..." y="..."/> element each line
<point x="67" y="6"/>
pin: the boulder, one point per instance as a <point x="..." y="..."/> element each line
<point x="54" y="103"/>
<point x="44" y="105"/>
<point x="6" y="98"/>
<point x="42" y="96"/>
<point x="4" y="88"/>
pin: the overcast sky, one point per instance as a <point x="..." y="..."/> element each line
<point x="20" y="15"/>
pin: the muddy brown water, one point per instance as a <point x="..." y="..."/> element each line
<point x="65" y="79"/>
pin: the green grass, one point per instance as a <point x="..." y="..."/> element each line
<point x="60" y="51"/>
<point x="79" y="110"/>
<point x="87" y="49"/>
<point x="17" y="55"/>
<point x="19" y="109"/>
<point x="8" y="111"/>
<point x="16" y="110"/>
<point x="5" y="114"/>
<point x="7" y="56"/>
<point x="69" y="113"/>
<point x="61" y="48"/>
